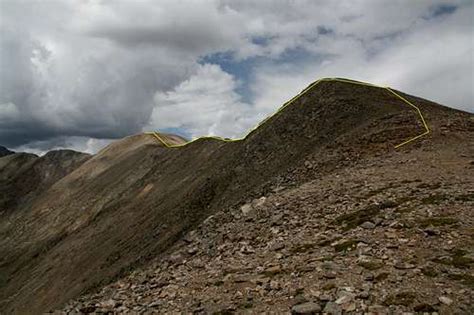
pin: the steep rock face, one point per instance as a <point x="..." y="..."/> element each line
<point x="135" y="199"/>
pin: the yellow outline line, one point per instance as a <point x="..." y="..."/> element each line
<point x="425" y="125"/>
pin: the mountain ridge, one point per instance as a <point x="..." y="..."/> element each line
<point x="136" y="198"/>
<point x="310" y="86"/>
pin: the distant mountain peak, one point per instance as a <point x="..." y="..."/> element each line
<point x="4" y="151"/>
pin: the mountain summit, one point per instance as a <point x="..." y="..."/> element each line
<point x="314" y="210"/>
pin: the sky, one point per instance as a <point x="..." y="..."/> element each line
<point x="78" y="74"/>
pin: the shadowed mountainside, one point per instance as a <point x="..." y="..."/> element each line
<point x="4" y="151"/>
<point x="24" y="176"/>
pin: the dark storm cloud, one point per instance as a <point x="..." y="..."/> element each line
<point x="101" y="98"/>
<point x="56" y="83"/>
<point x="64" y="75"/>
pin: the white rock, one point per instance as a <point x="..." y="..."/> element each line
<point x="246" y="209"/>
<point x="306" y="308"/>
<point x="445" y="300"/>
<point x="343" y="299"/>
<point x="259" y="202"/>
<point x="368" y="225"/>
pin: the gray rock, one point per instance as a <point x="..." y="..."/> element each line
<point x="275" y="285"/>
<point x="364" y="295"/>
<point x="431" y="232"/>
<point x="369" y="277"/>
<point x="377" y="309"/>
<point x="377" y="221"/>
<point x="370" y="263"/>
<point x="271" y="271"/>
<point x="330" y="274"/>
<point x="246" y="209"/>
<point x="192" y="250"/>
<point x="349" y="307"/>
<point x="110" y="303"/>
<point x="332" y="309"/>
<point x="306" y="308"/>
<point x="256" y="203"/>
<point x="403" y="265"/>
<point x="277" y="246"/>
<point x="345" y="298"/>
<point x="277" y="219"/>
<point x="368" y="225"/>
<point x="154" y="304"/>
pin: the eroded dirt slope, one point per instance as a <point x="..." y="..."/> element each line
<point x="131" y="202"/>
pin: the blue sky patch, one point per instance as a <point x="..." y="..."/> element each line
<point x="440" y="10"/>
<point x="261" y="40"/>
<point x="243" y="70"/>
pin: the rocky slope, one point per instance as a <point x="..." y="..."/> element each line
<point x="389" y="234"/>
<point x="318" y="170"/>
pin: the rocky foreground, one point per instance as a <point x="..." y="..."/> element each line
<point x="381" y="236"/>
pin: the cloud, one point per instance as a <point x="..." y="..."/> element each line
<point x="71" y="71"/>
<point x="63" y="82"/>
<point x="8" y="112"/>
<point x="81" y="144"/>
<point x="169" y="25"/>
<point x="204" y="104"/>
<point x="416" y="61"/>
